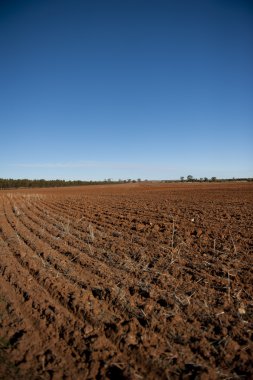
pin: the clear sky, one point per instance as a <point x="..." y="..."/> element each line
<point x="126" y="89"/>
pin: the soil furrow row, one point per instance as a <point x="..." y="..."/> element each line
<point x="39" y="312"/>
<point x="74" y="241"/>
<point x="127" y="282"/>
<point x="106" y="320"/>
<point x="113" y="289"/>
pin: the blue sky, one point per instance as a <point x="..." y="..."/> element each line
<point x="126" y="89"/>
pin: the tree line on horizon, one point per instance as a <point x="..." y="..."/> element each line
<point x="190" y="178"/>
<point x="31" y="183"/>
<point x="11" y="183"/>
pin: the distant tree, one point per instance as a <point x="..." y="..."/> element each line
<point x="139" y="180"/>
<point x="182" y="179"/>
<point x="213" y="179"/>
<point x="205" y="179"/>
<point x="189" y="178"/>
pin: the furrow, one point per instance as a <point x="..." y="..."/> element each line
<point x="39" y="312"/>
<point x="94" y="313"/>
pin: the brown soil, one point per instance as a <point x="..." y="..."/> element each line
<point x="141" y="281"/>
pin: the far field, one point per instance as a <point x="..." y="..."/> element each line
<point x="135" y="281"/>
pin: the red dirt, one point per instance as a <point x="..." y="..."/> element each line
<point x="139" y="281"/>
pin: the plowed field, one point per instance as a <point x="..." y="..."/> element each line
<point x="137" y="281"/>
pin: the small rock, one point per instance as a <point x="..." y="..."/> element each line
<point x="199" y="232"/>
<point x="242" y="310"/>
<point x="156" y="228"/>
<point x="131" y="340"/>
<point x="233" y="346"/>
<point x="140" y="227"/>
<point x="88" y="329"/>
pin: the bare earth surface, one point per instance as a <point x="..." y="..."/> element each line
<point x="137" y="281"/>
